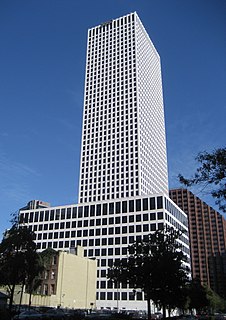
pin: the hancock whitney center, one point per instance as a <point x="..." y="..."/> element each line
<point x="123" y="187"/>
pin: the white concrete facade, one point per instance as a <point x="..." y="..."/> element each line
<point x="123" y="149"/>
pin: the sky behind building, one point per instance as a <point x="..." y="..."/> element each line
<point x="42" y="63"/>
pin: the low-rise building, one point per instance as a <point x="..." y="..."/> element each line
<point x="69" y="281"/>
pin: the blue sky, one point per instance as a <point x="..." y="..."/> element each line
<point x="42" y="68"/>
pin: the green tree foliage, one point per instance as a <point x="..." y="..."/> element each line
<point x="197" y="296"/>
<point x="212" y="171"/>
<point x="156" y="266"/>
<point x="17" y="258"/>
<point x="216" y="303"/>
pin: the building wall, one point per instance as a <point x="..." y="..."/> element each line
<point x="207" y="232"/>
<point x="75" y="282"/>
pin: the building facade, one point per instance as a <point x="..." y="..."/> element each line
<point x="123" y="150"/>
<point x="104" y="230"/>
<point x="207" y="234"/>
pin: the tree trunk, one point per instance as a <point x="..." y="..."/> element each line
<point x="164" y="310"/>
<point x="29" y="300"/>
<point x="11" y="297"/>
<point x="21" y="295"/>
<point x="149" y="307"/>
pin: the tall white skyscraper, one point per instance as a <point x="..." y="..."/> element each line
<point x="123" y="174"/>
<point x="123" y="149"/>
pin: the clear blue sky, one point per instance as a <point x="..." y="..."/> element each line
<point x="42" y="68"/>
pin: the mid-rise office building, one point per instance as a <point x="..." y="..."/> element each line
<point x="207" y="234"/>
<point x="105" y="229"/>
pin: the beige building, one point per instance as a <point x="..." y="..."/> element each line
<point x="69" y="281"/>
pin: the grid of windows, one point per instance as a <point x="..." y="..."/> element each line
<point x="110" y="155"/>
<point x="105" y="229"/>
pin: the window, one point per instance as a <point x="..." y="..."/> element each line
<point x="118" y="207"/>
<point x="152" y="203"/>
<point x="159" y="203"/>
<point x="124" y="206"/>
<point x="152" y="216"/>
<point x="145" y="204"/>
<point x="138" y="205"/>
<point x="131" y="205"/>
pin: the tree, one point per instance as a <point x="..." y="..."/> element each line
<point x="197" y="295"/>
<point x="156" y="266"/>
<point x="212" y="171"/>
<point x="17" y="257"/>
<point x="34" y="268"/>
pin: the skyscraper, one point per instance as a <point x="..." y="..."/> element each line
<point x="207" y="229"/>
<point x="123" y="176"/>
<point x="123" y="139"/>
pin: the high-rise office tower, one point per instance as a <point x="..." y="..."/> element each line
<point x="123" y="149"/>
<point x="207" y="229"/>
<point x="123" y="174"/>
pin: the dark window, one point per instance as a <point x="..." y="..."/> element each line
<point x="117" y="230"/>
<point x="111" y="231"/>
<point x="104" y="241"/>
<point x="159" y="203"/>
<point x="46" y="215"/>
<point x="40" y="217"/>
<point x="138" y="205"/>
<point x="131" y="205"/>
<point x="102" y="295"/>
<point x="152" y="203"/>
<point x="124" y="229"/>
<point x="68" y="213"/>
<point x="105" y="208"/>
<point x="145" y="204"/>
<point x="124" y="295"/>
<point x="62" y="213"/>
<point x="80" y="209"/>
<point x="104" y="231"/>
<point x="118" y="207"/>
<point x="98" y="210"/>
<point x="152" y="216"/>
<point x="109" y="296"/>
<point x="138" y="217"/>
<point x="97" y="242"/>
<point x="124" y="206"/>
<point x="160" y="215"/>
<point x="74" y="212"/>
<point x="111" y="208"/>
<point x="92" y="210"/>
<point x="160" y="226"/>
<point x="117" y="240"/>
<point x="110" y="241"/>
<point x="86" y="211"/>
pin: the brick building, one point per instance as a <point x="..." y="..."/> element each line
<point x="207" y="229"/>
